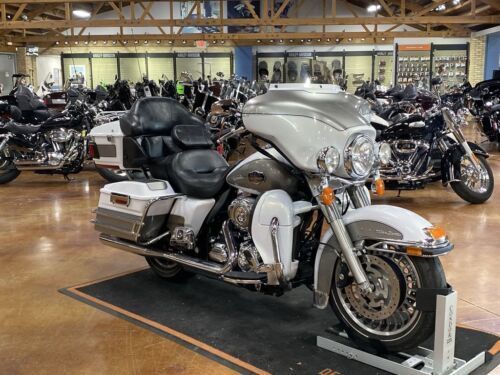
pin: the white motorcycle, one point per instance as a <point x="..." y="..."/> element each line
<point x="260" y="223"/>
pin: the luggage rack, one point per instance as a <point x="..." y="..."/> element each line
<point x="420" y="361"/>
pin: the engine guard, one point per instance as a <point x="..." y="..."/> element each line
<point x="451" y="160"/>
<point x="383" y="225"/>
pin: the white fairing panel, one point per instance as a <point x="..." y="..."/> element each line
<point x="109" y="136"/>
<point x="275" y="204"/>
<point x="301" y="137"/>
<point x="194" y="211"/>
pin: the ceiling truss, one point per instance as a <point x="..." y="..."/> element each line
<point x="44" y="22"/>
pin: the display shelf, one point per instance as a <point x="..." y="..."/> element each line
<point x="383" y="68"/>
<point x="414" y="64"/>
<point x="358" y="69"/>
<point x="450" y="63"/>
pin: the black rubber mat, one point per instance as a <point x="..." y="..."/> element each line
<point x="273" y="334"/>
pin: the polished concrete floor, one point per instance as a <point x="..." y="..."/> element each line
<point x="48" y="243"/>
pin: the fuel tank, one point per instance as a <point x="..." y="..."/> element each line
<point x="258" y="174"/>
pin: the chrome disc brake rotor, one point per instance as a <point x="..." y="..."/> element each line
<point x="391" y="306"/>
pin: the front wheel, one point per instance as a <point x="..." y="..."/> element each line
<point x="386" y="319"/>
<point x="474" y="186"/>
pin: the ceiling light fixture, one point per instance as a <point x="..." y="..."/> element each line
<point x="363" y="39"/>
<point x="57" y="43"/>
<point x="184" y="42"/>
<point x="281" y="40"/>
<point x="272" y="41"/>
<point x="146" y="42"/>
<point x="125" y="42"/>
<point x="214" y="41"/>
<point x="66" y="42"/>
<point x="456" y="2"/>
<point x="383" y="39"/>
<point x="158" y="42"/>
<point x="95" y="42"/>
<point x="373" y="8"/>
<point x="441" y="7"/>
<point x="76" y="41"/>
<point x="170" y="41"/>
<point x="114" y="42"/>
<point x="222" y="41"/>
<point x="81" y="13"/>
<point x="86" y="42"/>
<point x="258" y="40"/>
<point x="350" y="39"/>
<point x="105" y="42"/>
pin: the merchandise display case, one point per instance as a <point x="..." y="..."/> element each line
<point x="77" y="64"/>
<point x="298" y="66"/>
<point x="358" y="69"/>
<point x="160" y="66"/>
<point x="132" y="67"/>
<point x="383" y="68"/>
<point x="413" y="64"/>
<point x="189" y="62"/>
<point x="274" y="63"/>
<point x="450" y="63"/>
<point x="104" y="69"/>
<point x="328" y="61"/>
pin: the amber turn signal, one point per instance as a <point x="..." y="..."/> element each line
<point x="436" y="232"/>
<point x="414" y="251"/>
<point x="327" y="196"/>
<point x="379" y="186"/>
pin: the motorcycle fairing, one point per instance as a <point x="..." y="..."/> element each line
<point x="380" y="223"/>
<point x="450" y="163"/>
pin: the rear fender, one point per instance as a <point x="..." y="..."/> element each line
<point x="381" y="224"/>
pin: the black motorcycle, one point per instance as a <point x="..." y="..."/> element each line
<point x="56" y="146"/>
<point x="429" y="147"/>
<point x="484" y="103"/>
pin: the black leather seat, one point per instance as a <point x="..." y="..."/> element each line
<point x="17" y="128"/>
<point x="148" y="126"/>
<point x="197" y="173"/>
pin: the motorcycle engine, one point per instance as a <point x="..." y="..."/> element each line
<point x="62" y="141"/>
<point x="408" y="157"/>
<point x="240" y="212"/>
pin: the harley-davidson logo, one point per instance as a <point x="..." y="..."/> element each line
<point x="256" y="177"/>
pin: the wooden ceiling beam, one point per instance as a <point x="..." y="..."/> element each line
<point x="429" y="8"/>
<point x="69" y="23"/>
<point x="493" y="3"/>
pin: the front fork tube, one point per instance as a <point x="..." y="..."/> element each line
<point x="358" y="196"/>
<point x="334" y="219"/>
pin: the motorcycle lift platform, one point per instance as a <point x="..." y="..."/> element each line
<point x="420" y="361"/>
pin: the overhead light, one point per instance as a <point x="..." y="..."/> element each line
<point x="158" y="42"/>
<point x="81" y="13"/>
<point x="350" y="39"/>
<point x="57" y="43"/>
<point x="222" y="41"/>
<point x="319" y="40"/>
<point x="94" y="42"/>
<point x="105" y="42"/>
<point x="281" y="40"/>
<point x="302" y="40"/>
<point x="9" y="43"/>
<point x="328" y="39"/>
<point x="76" y="41"/>
<point x="272" y="41"/>
<point x="114" y="42"/>
<point x="146" y="42"/>
<point x="136" y="42"/>
<point x="441" y="7"/>
<point x="214" y="41"/>
<point x="125" y="42"/>
<point x="183" y="42"/>
<point x="363" y="39"/>
<point x="258" y="40"/>
<point x="337" y="40"/>
<point x="383" y="38"/>
<point x="291" y="40"/>
<point x="66" y="42"/>
<point x="170" y="42"/>
<point x="86" y="42"/>
<point x="373" y="8"/>
<point x="308" y="40"/>
<point x="456" y="2"/>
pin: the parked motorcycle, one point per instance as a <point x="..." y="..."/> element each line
<point x="56" y="146"/>
<point x="259" y="224"/>
<point x="484" y="103"/>
<point x="429" y="147"/>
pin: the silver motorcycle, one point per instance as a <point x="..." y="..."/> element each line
<point x="260" y="224"/>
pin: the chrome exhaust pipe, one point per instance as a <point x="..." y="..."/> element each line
<point x="28" y="165"/>
<point x="200" y="264"/>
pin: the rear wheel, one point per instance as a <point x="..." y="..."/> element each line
<point x="8" y="172"/>
<point x="386" y="319"/>
<point x="474" y="186"/>
<point x="166" y="269"/>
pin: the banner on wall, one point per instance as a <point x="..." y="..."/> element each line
<point x="237" y="9"/>
<point x="208" y="9"/>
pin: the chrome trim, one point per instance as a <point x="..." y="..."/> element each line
<point x="278" y="266"/>
<point x="348" y="157"/>
<point x="182" y="259"/>
<point x="240" y="281"/>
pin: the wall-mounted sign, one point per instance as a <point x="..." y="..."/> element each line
<point x="414" y="47"/>
<point x="300" y="54"/>
<point x="201" y="44"/>
<point x="189" y="54"/>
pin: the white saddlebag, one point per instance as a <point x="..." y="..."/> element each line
<point x="108" y="139"/>
<point x="133" y="210"/>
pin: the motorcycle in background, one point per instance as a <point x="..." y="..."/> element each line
<point x="430" y="146"/>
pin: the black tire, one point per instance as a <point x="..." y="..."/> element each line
<point x="471" y="196"/>
<point x="6" y="173"/>
<point x="167" y="269"/>
<point x="431" y="275"/>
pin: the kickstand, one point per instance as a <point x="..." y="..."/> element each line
<point x="67" y="178"/>
<point x="399" y="193"/>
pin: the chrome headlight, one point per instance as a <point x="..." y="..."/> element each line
<point x="359" y="157"/>
<point x="384" y="153"/>
<point x="328" y="159"/>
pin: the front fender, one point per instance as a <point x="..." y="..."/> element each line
<point x="379" y="223"/>
<point x="451" y="160"/>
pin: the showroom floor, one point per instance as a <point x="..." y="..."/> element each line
<point x="49" y="243"/>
